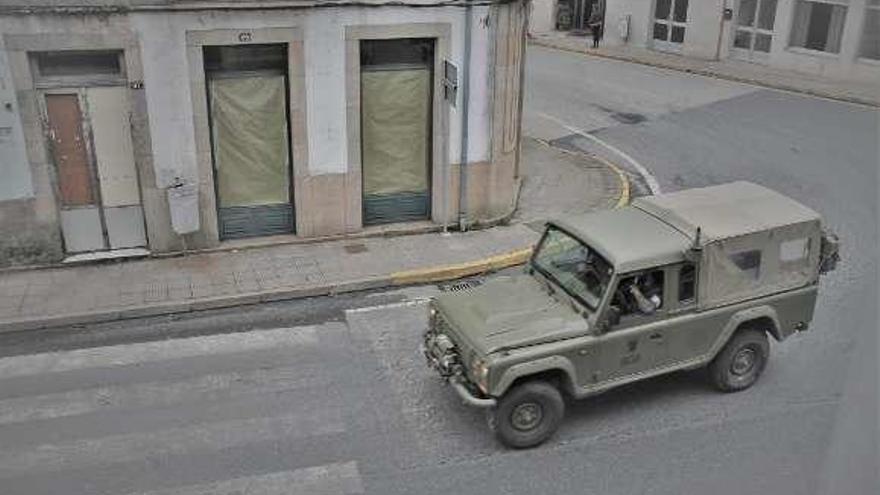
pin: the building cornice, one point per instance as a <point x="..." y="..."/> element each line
<point x="83" y="7"/>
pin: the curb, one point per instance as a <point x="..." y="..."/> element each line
<point x="401" y="278"/>
<point x="711" y="73"/>
<point x="461" y="270"/>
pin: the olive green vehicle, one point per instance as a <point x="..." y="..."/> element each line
<point x="676" y="281"/>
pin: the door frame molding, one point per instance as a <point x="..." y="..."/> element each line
<point x="31" y="91"/>
<point x="441" y="33"/>
<point x="296" y="102"/>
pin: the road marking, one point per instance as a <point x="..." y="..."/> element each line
<point x="330" y="479"/>
<point x="155" y="394"/>
<point x="130" y="447"/>
<point x="653" y="185"/>
<point x="128" y="354"/>
<point x="402" y="304"/>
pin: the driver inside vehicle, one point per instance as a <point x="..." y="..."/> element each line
<point x="642" y="293"/>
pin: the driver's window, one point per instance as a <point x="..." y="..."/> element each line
<point x="639" y="294"/>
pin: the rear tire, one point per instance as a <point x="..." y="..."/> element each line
<point x="741" y="362"/>
<point x="528" y="414"/>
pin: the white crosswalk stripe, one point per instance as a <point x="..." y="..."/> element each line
<point x="154" y="394"/>
<point x="330" y="479"/>
<point x="237" y="402"/>
<point x="128" y="354"/>
<point x="137" y="446"/>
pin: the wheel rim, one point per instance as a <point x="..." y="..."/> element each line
<point x="744" y="361"/>
<point x="526" y="416"/>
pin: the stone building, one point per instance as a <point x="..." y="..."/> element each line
<point x="130" y="127"/>
<point x="835" y="39"/>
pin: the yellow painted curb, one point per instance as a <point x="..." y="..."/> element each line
<point x="625" y="193"/>
<point x="460" y="270"/>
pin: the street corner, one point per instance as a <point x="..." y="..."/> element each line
<point x="561" y="180"/>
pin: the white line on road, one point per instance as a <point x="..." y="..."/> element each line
<point x="128" y="354"/>
<point x="403" y="304"/>
<point x="330" y="479"/>
<point x="653" y="185"/>
<point x="173" y="441"/>
<point x="155" y="394"/>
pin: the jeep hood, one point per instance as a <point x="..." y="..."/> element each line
<point x="509" y="312"/>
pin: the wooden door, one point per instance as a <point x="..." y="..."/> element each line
<point x="69" y="150"/>
<point x="82" y="224"/>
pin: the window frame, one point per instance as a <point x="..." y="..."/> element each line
<point x="556" y="283"/>
<point x="864" y="28"/>
<point x="791" y="46"/>
<point x="42" y="81"/>
<point x="635" y="319"/>
<point x="683" y="304"/>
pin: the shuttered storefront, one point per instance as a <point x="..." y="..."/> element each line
<point x="250" y="139"/>
<point x="396" y="98"/>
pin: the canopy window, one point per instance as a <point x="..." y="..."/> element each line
<point x="396" y="99"/>
<point x="247" y="89"/>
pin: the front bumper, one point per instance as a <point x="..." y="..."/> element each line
<point x="469" y="398"/>
<point x="449" y="368"/>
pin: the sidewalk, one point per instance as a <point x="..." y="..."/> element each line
<point x="733" y="70"/>
<point x="109" y="291"/>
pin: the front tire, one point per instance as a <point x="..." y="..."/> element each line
<point x="528" y="414"/>
<point x="739" y="365"/>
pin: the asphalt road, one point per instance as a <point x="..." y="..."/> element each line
<point x="330" y="395"/>
<point x="690" y="131"/>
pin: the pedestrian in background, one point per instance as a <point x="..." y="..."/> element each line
<point x="595" y="24"/>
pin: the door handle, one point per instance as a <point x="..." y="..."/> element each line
<point x="656" y="336"/>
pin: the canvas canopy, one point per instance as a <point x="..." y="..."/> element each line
<point x="754" y="241"/>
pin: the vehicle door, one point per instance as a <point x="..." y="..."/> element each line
<point x="634" y="341"/>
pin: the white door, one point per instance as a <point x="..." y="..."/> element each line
<point x="670" y="22"/>
<point x="97" y="182"/>
<point x="753" y="35"/>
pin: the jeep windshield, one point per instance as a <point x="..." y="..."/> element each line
<point x="572" y="265"/>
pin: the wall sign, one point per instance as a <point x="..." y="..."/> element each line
<point x="450" y="82"/>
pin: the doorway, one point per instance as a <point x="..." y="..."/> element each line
<point x="670" y="23"/>
<point x="86" y="109"/>
<point x="250" y="139"/>
<point x="753" y="37"/>
<point x="397" y="78"/>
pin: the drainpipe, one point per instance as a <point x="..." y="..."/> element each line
<point x="721" y="31"/>
<point x="465" y="96"/>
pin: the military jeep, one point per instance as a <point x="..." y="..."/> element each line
<point x="671" y="282"/>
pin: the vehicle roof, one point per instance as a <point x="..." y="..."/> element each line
<point x="726" y="210"/>
<point x="629" y="238"/>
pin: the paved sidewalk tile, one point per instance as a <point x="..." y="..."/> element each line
<point x="734" y="70"/>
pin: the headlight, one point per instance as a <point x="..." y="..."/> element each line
<point x="480" y="372"/>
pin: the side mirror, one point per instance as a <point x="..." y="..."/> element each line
<point x="613" y="317"/>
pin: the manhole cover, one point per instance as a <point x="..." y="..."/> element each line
<point x="355" y="248"/>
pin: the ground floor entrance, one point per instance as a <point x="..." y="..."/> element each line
<point x="670" y="25"/>
<point x="396" y="131"/>
<point x="96" y="178"/>
<point x="754" y="29"/>
<point x="250" y="139"/>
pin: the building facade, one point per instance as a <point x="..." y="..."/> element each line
<point x="836" y="39"/>
<point x="166" y="125"/>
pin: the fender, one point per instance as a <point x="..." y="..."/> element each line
<point x="738" y="319"/>
<point x="549" y="363"/>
